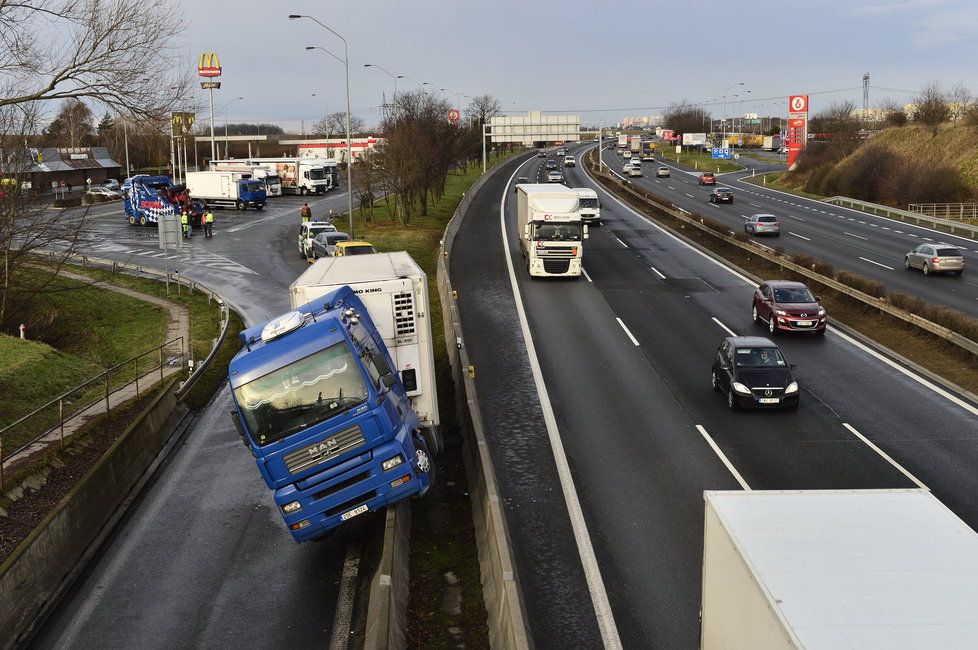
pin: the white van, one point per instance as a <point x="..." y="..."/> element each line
<point x="589" y="205"/>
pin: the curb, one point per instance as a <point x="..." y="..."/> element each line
<point x="389" y="586"/>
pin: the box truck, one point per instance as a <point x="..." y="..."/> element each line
<point x="300" y="175"/>
<point x="622" y="141"/>
<point x="636" y="145"/>
<point x="550" y="229"/>
<point x="771" y="143"/>
<point x="227" y="190"/>
<point x="830" y="569"/>
<point x="273" y="184"/>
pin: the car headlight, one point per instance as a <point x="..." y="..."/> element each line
<point x="821" y="312"/>
<point x="780" y="312"/>
<point x="289" y="508"/>
<point x="391" y="463"/>
<point x="740" y="388"/>
<point x="792" y="388"/>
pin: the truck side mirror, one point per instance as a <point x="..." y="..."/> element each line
<point x="239" y="427"/>
<point x="526" y="231"/>
<point x="387" y="380"/>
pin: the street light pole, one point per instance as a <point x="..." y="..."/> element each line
<point x="723" y="120"/>
<point x="349" y="142"/>
<point x="224" y="109"/>
<point x="392" y="76"/>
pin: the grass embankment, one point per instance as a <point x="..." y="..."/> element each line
<point x="443" y="551"/>
<point x="697" y="160"/>
<point x="77" y="332"/>
<point x="776" y="180"/>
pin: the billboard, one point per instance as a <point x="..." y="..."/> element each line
<point x="694" y="139"/>
<point x="797" y="132"/>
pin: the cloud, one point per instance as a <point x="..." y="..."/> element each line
<point x="945" y="28"/>
<point x="896" y="7"/>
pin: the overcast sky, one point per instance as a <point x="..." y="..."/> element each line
<point x="601" y="59"/>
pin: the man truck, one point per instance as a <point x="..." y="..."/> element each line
<point x="828" y="569"/>
<point x="301" y="175"/>
<point x="771" y="143"/>
<point x="550" y="229"/>
<point x="337" y="399"/>
<point x="227" y="190"/>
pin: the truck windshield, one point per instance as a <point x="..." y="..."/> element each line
<point x="305" y="392"/>
<point x="255" y="186"/>
<point x="317" y="174"/>
<point x="551" y="231"/>
<point x="588" y="203"/>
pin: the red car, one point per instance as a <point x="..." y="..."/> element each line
<point x="708" y="179"/>
<point x="788" y="306"/>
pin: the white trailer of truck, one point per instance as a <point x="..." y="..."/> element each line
<point x="273" y="184"/>
<point x="636" y="145"/>
<point x="549" y="226"/>
<point x="771" y="143"/>
<point x="299" y="175"/>
<point x="227" y="189"/>
<point x="830" y="569"/>
<point x="622" y="141"/>
<point x="394" y="290"/>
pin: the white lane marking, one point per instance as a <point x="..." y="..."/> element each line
<point x="592" y="572"/>
<point x="723" y="458"/>
<point x="927" y="239"/>
<point x="586" y="276"/>
<point x="926" y="383"/>
<point x="627" y="331"/>
<point x="900" y="232"/>
<point x="713" y="205"/>
<point x="345" y="597"/>
<point x="690" y="195"/>
<point x="910" y="234"/>
<point x="620" y="242"/>
<point x="856" y="236"/>
<point x="670" y="187"/>
<point x="727" y="329"/>
<point x="745" y="216"/>
<point x="794" y="234"/>
<point x="657" y="272"/>
<point x="791" y="216"/>
<point x="876" y="263"/>
<point x="886" y="228"/>
<point x="886" y="456"/>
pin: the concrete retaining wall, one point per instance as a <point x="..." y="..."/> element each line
<point x="500" y="585"/>
<point x="32" y="577"/>
<point x="389" y="587"/>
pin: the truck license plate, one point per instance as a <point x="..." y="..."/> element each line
<point x="768" y="400"/>
<point x="359" y="511"/>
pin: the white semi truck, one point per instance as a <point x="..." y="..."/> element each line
<point x="636" y="145"/>
<point x="830" y="569"/>
<point x="550" y="229"/>
<point x="299" y="175"/>
<point x="273" y="184"/>
<point x="394" y="289"/>
<point x="227" y="190"/>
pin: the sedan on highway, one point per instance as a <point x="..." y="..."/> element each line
<point x="324" y="244"/>
<point x="935" y="258"/>
<point x="721" y="195"/>
<point x="787" y="306"/>
<point x="754" y="374"/>
<point x="708" y="179"/>
<point x="551" y="164"/>
<point x="632" y="170"/>
<point x="763" y="224"/>
<point x="662" y="172"/>
<point x="555" y="177"/>
<point x="540" y="154"/>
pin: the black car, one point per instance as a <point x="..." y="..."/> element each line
<point x="721" y="195"/>
<point x="754" y="374"/>
<point x="540" y="154"/>
<point x="551" y="164"/>
<point x="519" y="180"/>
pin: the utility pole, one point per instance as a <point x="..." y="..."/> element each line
<point x="865" y="94"/>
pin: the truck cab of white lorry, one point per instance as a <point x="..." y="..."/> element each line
<point x="589" y="205"/>
<point x="550" y="229"/>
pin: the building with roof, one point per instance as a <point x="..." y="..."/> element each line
<point x="69" y="167"/>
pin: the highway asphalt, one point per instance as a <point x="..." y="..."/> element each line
<point x="848" y="239"/>
<point x="203" y="559"/>
<point x="625" y="354"/>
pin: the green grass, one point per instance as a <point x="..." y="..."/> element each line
<point x="80" y="332"/>
<point x="696" y="159"/>
<point x="774" y="181"/>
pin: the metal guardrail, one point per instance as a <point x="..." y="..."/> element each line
<point x="880" y="304"/>
<point x="948" y="211"/>
<point x="50" y="418"/>
<point x="904" y="215"/>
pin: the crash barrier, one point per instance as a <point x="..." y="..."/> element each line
<point x="390" y="584"/>
<point x="500" y="585"/>
<point x="918" y="218"/>
<point x="197" y="369"/>
<point x="765" y="253"/>
<point x="950" y="211"/>
<point x="42" y="567"/>
<point x="45" y="426"/>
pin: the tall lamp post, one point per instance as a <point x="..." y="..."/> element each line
<point x="723" y="120"/>
<point x="395" y="77"/>
<point x="349" y="138"/>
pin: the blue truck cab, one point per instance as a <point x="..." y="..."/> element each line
<point x="327" y="419"/>
<point x="144" y="199"/>
<point x="252" y="193"/>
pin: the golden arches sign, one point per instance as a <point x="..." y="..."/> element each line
<point x="209" y="65"/>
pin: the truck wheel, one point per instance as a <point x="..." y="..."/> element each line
<point x="423" y="461"/>
<point x="259" y="207"/>
<point x="433" y="439"/>
<point x="142" y="220"/>
<point x="132" y="220"/>
<point x="303" y="191"/>
<point x="240" y="205"/>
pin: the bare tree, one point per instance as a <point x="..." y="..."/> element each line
<point x="960" y="100"/>
<point x="684" y="117"/>
<point x="840" y="127"/>
<point x="73" y="126"/>
<point x="931" y="106"/>
<point x="482" y="109"/>
<point x="367" y="175"/>
<point x="334" y="126"/>
<point x="893" y="113"/>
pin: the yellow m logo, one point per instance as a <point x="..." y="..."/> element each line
<point x="209" y="65"/>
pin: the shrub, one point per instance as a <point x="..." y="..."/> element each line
<point x="952" y="319"/>
<point x="895" y="118"/>
<point x="68" y="202"/>
<point x="861" y="283"/>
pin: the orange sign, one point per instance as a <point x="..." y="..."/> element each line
<point x="453" y="115"/>
<point x="208" y="65"/>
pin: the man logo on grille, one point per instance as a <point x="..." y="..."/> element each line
<point x="324" y="448"/>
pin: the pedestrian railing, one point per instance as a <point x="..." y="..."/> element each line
<point x="59" y="418"/>
<point x="949" y="211"/>
<point x="919" y="218"/>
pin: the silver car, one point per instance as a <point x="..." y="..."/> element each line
<point x="935" y="258"/>
<point x="555" y="177"/>
<point x="763" y="224"/>
<point x="324" y="244"/>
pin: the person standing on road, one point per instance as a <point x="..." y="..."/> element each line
<point x="208" y="224"/>
<point x="306" y="213"/>
<point x="185" y="223"/>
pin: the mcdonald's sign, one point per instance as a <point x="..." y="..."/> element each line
<point x="209" y="65"/>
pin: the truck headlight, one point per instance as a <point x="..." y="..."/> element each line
<point x="740" y="388"/>
<point x="792" y="388"/>
<point x="391" y="463"/>
<point x="289" y="508"/>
